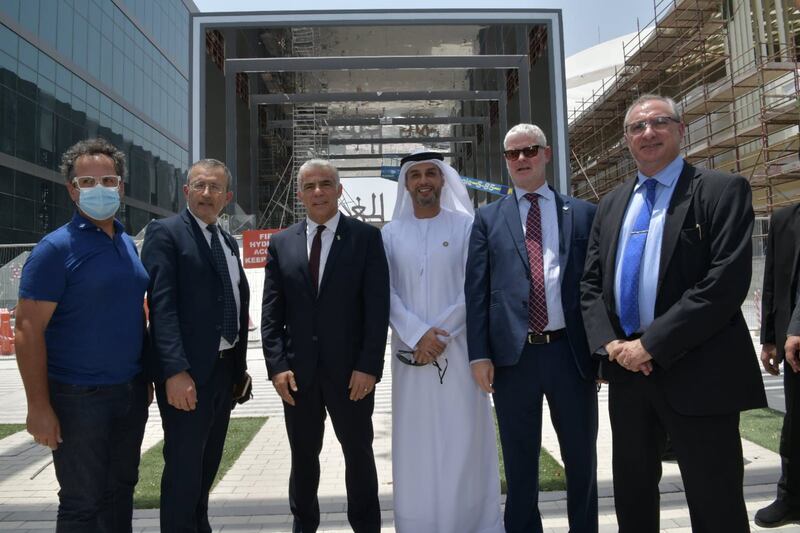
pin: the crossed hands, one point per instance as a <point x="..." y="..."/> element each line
<point x="630" y="355"/>
<point x="429" y="346"/>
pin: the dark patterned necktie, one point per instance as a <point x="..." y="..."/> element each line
<point x="313" y="257"/>
<point x="537" y="301"/>
<point x="229" y="323"/>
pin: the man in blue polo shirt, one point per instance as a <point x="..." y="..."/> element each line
<point x="79" y="338"/>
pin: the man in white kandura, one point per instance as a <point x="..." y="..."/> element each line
<point x="444" y="454"/>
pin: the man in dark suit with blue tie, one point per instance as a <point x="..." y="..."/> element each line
<point x="525" y="331"/>
<point x="198" y="300"/>
<point x="667" y="269"/>
<point x="325" y="316"/>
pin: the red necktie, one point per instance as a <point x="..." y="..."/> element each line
<point x="537" y="302"/>
<point x="313" y="258"/>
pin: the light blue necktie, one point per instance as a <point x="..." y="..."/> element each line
<point x="632" y="262"/>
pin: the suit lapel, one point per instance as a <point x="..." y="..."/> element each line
<point x="300" y="247"/>
<point x="510" y="210"/>
<point x="197" y="234"/>
<point x="564" y="216"/>
<point x="616" y="214"/>
<point x="339" y="238"/>
<point x="676" y="213"/>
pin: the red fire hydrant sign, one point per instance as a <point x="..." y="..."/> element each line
<point x="254" y="246"/>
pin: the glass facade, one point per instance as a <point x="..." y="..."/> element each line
<point x="73" y="69"/>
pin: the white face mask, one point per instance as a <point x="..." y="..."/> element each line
<point x="100" y="203"/>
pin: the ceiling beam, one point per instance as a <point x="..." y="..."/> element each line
<point x="406" y="62"/>
<point x="376" y="96"/>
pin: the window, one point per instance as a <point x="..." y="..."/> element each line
<point x="79" y="52"/>
<point x="64" y="37"/>
<point x="28" y="54"/>
<point x="8" y="41"/>
<point x="93" y="53"/>
<point x="48" y="25"/>
<point x="47" y="67"/>
<point x="29" y="16"/>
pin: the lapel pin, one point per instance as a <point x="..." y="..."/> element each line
<point x="445" y="243"/>
<point x="565" y="207"/>
<point x="338" y="237"/>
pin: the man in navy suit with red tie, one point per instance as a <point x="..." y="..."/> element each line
<point x="525" y="331"/>
<point x="325" y="316"/>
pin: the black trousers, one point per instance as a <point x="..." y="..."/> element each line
<point x="352" y="422"/>
<point x="789" y="483"/>
<point x="709" y="453"/>
<point x="193" y="442"/>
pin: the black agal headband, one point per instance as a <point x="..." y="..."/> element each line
<point x="421" y="156"/>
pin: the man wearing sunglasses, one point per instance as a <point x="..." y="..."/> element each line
<point x="198" y="299"/>
<point x="79" y="339"/>
<point x="667" y="269"/>
<point x="525" y="331"/>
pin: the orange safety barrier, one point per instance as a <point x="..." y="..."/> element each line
<point x="6" y="333"/>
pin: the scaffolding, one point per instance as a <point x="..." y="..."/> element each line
<point x="733" y="69"/>
<point x="308" y="138"/>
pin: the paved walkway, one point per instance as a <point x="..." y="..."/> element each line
<point x="252" y="497"/>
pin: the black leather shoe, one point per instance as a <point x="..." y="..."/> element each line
<point x="777" y="514"/>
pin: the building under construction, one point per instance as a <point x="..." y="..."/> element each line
<point x="732" y="66"/>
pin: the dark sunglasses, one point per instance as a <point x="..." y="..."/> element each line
<point x="528" y="151"/>
<point x="405" y="356"/>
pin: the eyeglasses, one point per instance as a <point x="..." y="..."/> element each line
<point x="405" y="357"/>
<point x="529" y="152"/>
<point x="657" y="123"/>
<point x="201" y="186"/>
<point x="88" y="182"/>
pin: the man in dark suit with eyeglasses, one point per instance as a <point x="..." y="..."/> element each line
<point x="198" y="299"/>
<point x="667" y="269"/>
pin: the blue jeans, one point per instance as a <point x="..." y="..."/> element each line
<point x="97" y="464"/>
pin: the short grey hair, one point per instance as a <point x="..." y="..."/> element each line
<point x="98" y="146"/>
<point x="530" y="130"/>
<point x="211" y="164"/>
<point x="317" y="164"/>
<point x="674" y="110"/>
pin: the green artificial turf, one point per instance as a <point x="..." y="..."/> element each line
<point x="240" y="432"/>
<point x="551" y="474"/>
<point x="762" y="426"/>
<point x="10" y="429"/>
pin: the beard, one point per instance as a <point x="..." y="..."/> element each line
<point x="427" y="201"/>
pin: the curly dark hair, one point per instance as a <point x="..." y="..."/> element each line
<point x="98" y="146"/>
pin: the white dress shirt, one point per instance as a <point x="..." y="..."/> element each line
<point x="552" y="269"/>
<point x="327" y="240"/>
<point x="233" y="272"/>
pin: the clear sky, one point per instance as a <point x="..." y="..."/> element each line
<point x="586" y="22"/>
